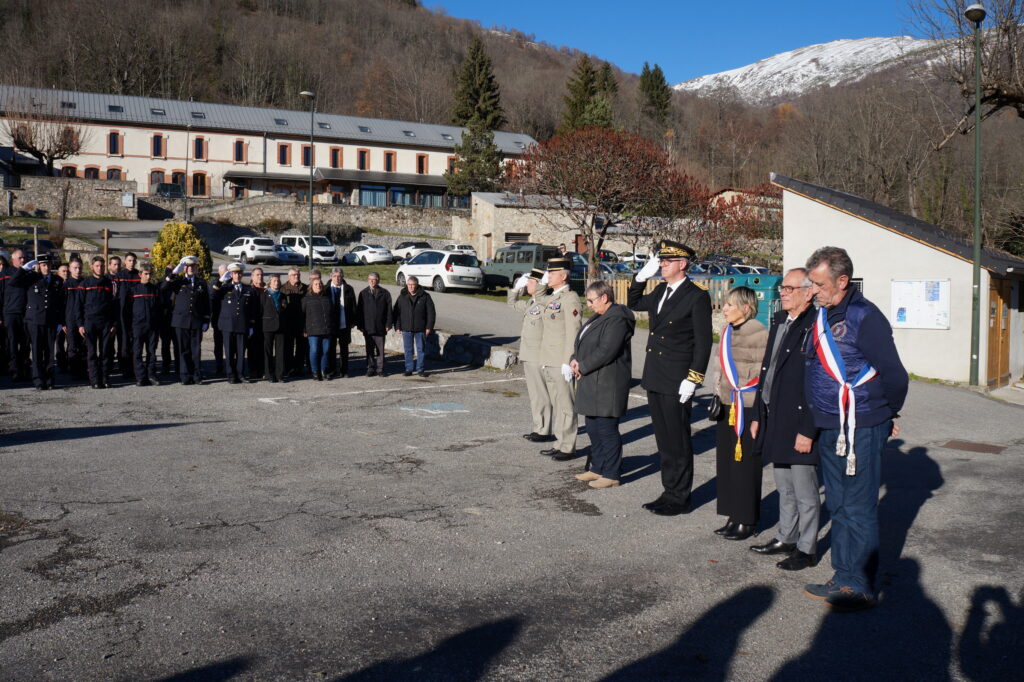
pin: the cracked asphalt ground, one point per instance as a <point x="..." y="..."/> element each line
<point x="401" y="529"/>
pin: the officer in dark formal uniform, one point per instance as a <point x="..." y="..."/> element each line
<point x="127" y="277"/>
<point x="13" y="314"/>
<point x="218" y="336"/>
<point x="146" y="318"/>
<point x="678" y="349"/>
<point x="190" y="317"/>
<point x="117" y="341"/>
<point x="168" y="338"/>
<point x="75" y="343"/>
<point x="236" y="318"/>
<point x="96" y="321"/>
<point x="44" y="318"/>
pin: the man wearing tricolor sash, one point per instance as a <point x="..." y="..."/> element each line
<point x="855" y="386"/>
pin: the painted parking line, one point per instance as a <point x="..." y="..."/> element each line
<point x="285" y="399"/>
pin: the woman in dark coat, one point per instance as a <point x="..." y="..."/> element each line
<point x="602" y="364"/>
<point x="316" y="313"/>
<point x="274" y="304"/>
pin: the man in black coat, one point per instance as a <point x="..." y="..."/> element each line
<point x="96" y="320"/>
<point x="273" y="307"/>
<point x="13" y="316"/>
<point x="75" y="343"/>
<point x="127" y="277"/>
<point x="146" y="317"/>
<point x="254" y="346"/>
<point x="296" y="347"/>
<point x="44" y="318"/>
<point x="190" y="317"/>
<point x="678" y="349"/>
<point x="373" y="317"/>
<point x="218" y="335"/>
<point x="783" y="427"/>
<point x="236" y="318"/>
<point x="343" y="307"/>
<point x="414" y="316"/>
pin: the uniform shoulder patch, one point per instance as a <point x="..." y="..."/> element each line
<point x="699" y="285"/>
<point x="575" y="312"/>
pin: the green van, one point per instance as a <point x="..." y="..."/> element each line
<point x="517" y="259"/>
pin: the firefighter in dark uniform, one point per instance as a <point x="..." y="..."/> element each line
<point x="96" y="321"/>
<point x="236" y="318"/>
<point x="44" y="318"/>
<point x="146" y="317"/>
<point x="168" y="339"/>
<point x="678" y="349"/>
<point x="127" y="277"/>
<point x="13" y="316"/>
<point x="190" y="317"/>
<point x="218" y="336"/>
<point x="75" y="343"/>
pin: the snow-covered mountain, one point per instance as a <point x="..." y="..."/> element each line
<point x="785" y="75"/>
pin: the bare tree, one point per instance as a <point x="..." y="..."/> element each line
<point x="38" y="128"/>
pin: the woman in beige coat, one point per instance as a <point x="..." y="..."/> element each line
<point x="741" y="350"/>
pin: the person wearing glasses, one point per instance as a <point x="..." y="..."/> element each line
<point x="602" y="365"/>
<point x="678" y="349"/>
<point x="783" y="427"/>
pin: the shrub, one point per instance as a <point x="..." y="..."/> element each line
<point x="177" y="240"/>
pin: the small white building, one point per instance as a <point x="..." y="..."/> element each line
<point x="920" y="276"/>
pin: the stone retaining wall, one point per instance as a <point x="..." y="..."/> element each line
<point x="41" y="197"/>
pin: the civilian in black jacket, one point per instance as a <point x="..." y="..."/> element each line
<point x="414" y="316"/>
<point x="168" y="339"/>
<point x="254" y="346"/>
<point x="44" y="318"/>
<point x="274" y="305"/>
<point x="296" y="350"/>
<point x="373" y="317"/>
<point x="783" y="428"/>
<point x="127" y="278"/>
<point x="343" y="314"/>
<point x="190" y="317"/>
<point x="318" y="326"/>
<point x="236" y="318"/>
<point x="146" y="317"/>
<point x="96" y="320"/>
<point x="13" y="316"/>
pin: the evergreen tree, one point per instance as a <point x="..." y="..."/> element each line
<point x="477" y="94"/>
<point x="655" y="95"/>
<point x="606" y="83"/>
<point x="583" y="87"/>
<point x="479" y="166"/>
<point x="598" y="112"/>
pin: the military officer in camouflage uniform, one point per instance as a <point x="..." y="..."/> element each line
<point x="529" y="350"/>
<point x="561" y="320"/>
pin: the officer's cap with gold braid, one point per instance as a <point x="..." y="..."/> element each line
<point x="536" y="274"/>
<point x="672" y="249"/>
<point x="559" y="263"/>
<point x="236" y="267"/>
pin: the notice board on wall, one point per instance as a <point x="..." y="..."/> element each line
<point x="920" y="304"/>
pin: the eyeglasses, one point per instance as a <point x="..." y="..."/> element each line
<point x="789" y="290"/>
<point x="591" y="301"/>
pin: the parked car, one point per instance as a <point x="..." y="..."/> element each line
<point x="514" y="260"/>
<point x="407" y="250"/>
<point x="47" y="250"/>
<point x="709" y="269"/>
<point x="461" y="248"/>
<point x="169" y="190"/>
<point x="631" y="257"/>
<point x="363" y="254"/>
<point x="323" y="250"/>
<point x="251" y="250"/>
<point x="443" y="270"/>
<point x="286" y="255"/>
<point x="751" y="269"/>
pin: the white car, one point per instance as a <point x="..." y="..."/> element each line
<point x="251" y="250"/>
<point x="751" y="269"/>
<point x="364" y="254"/>
<point x="407" y="250"/>
<point x="323" y="250"/>
<point x="443" y="270"/>
<point x="633" y="257"/>
<point x="461" y="248"/>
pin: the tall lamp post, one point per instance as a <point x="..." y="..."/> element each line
<point x="976" y="14"/>
<point x="311" y="96"/>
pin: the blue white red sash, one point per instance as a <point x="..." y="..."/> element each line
<point x="832" y="361"/>
<point x="736" y="418"/>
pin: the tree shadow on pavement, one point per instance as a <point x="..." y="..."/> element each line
<point x="214" y="672"/>
<point x="463" y="657"/>
<point x="33" y="436"/>
<point x="992" y="644"/>
<point x="706" y="649"/>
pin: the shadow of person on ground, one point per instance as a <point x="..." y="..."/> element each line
<point x="992" y="644"/>
<point x="214" y="672"/>
<point x="32" y="436"/>
<point x="463" y="657"/>
<point x="706" y="649"/>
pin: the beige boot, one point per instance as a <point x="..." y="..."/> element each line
<point x="587" y="476"/>
<point x="603" y="482"/>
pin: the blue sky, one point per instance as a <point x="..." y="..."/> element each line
<point x="673" y="33"/>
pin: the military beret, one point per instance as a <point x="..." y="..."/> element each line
<point x="668" y="248"/>
<point x="559" y="263"/>
<point x="536" y="274"/>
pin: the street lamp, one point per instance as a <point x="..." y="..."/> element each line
<point x="976" y="14"/>
<point x="311" y="96"/>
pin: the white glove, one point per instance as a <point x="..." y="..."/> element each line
<point x="650" y="269"/>
<point x="179" y="267"/>
<point x="225" y="277"/>
<point x="205" y="327"/>
<point x="686" y="390"/>
<point x="567" y="373"/>
<point x="544" y="279"/>
<point x="31" y="265"/>
<point x="521" y="282"/>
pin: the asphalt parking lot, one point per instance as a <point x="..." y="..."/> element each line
<point x="401" y="528"/>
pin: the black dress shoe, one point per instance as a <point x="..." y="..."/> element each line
<point x="274" y="380"/>
<point x="729" y="527"/>
<point x="741" y="532"/>
<point x="672" y="509"/>
<point x="651" y="506"/>
<point x="776" y="546"/>
<point x="532" y="436"/>
<point x="140" y="383"/>
<point x="560" y="456"/>
<point x="423" y="374"/>
<point x="549" y="451"/>
<point x="188" y="382"/>
<point x="797" y="561"/>
<point x="406" y="374"/>
<point x="235" y="380"/>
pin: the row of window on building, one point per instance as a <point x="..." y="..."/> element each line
<point x="200" y="185"/>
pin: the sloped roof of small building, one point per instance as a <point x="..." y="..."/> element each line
<point x="169" y="113"/>
<point x="958" y="246"/>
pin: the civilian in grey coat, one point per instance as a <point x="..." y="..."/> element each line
<point x="602" y="364"/>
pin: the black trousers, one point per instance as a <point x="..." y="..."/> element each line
<point x="97" y="350"/>
<point x="234" y="348"/>
<point x="338" y="349"/>
<point x="218" y="350"/>
<point x="189" y="352"/>
<point x="273" y="354"/>
<point x="75" y="351"/>
<point x="254" y="352"/>
<point x="296" y="352"/>
<point x="17" y="345"/>
<point x="43" y="340"/>
<point x="605" y="446"/>
<point x="671" y="421"/>
<point x="738" y="483"/>
<point x="144" y="342"/>
<point x="374" y="352"/>
<point x="125" y="359"/>
<point x="60" y="351"/>
<point x="119" y="349"/>
<point x="168" y="348"/>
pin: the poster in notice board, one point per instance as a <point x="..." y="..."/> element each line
<point x="920" y="304"/>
